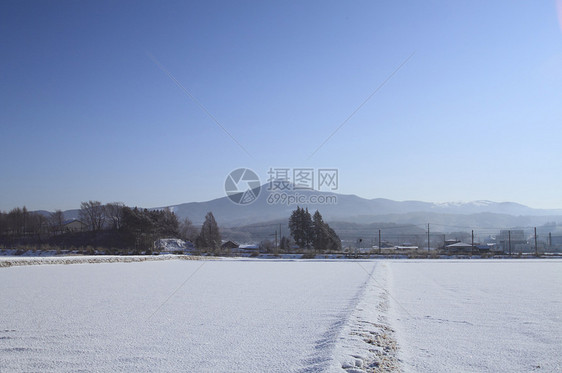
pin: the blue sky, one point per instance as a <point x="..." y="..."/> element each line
<point x="86" y="112"/>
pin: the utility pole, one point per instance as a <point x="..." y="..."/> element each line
<point x="536" y="250"/>
<point x="380" y="249"/>
<point x="549" y="239"/>
<point x="509" y="241"/>
<point x="276" y="238"/>
<point x="472" y="245"/>
<point x="428" y="237"/>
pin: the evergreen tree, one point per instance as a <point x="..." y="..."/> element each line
<point x="142" y="227"/>
<point x="321" y="235"/>
<point x="334" y="242"/>
<point x="300" y="224"/>
<point x="210" y="237"/>
<point x="296" y="227"/>
<point x="308" y="228"/>
<point x="166" y="223"/>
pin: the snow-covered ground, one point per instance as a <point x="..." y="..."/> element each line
<point x="191" y="316"/>
<point x="478" y="316"/>
<point x="245" y="315"/>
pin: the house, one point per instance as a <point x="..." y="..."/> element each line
<point x="73" y="225"/>
<point x="406" y="247"/>
<point x="459" y="247"/>
<point x="483" y="248"/>
<point x="229" y="245"/>
<point x="451" y="241"/>
<point x="172" y="244"/>
<point x="249" y="248"/>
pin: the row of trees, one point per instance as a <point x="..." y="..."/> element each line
<point x="141" y="227"/>
<point x="111" y="225"/>
<point x="97" y="216"/>
<point x="119" y="226"/>
<point x="19" y="223"/>
<point x="311" y="232"/>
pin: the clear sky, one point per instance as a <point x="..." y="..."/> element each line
<point x="87" y="113"/>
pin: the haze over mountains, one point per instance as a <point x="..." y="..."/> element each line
<point x="354" y="209"/>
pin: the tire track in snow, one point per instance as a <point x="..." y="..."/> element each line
<point x="368" y="343"/>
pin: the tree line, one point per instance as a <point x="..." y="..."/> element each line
<point x="112" y="226"/>
<point x="120" y="228"/>
<point x="20" y="223"/>
<point x="311" y="232"/>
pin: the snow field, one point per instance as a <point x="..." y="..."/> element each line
<point x="199" y="316"/>
<point x="478" y="316"/>
<point x="244" y="315"/>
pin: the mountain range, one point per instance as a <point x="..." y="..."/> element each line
<point x="354" y="209"/>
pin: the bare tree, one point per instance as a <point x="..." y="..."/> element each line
<point x="25" y="216"/>
<point x="266" y="246"/>
<point x="37" y="224"/>
<point x="92" y="213"/>
<point x="3" y="223"/>
<point x="15" y="221"/>
<point x="114" y="212"/>
<point x="56" y="221"/>
<point x="188" y="232"/>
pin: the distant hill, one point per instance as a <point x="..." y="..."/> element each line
<point x="445" y="217"/>
<point x="351" y="208"/>
<point x="68" y="214"/>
